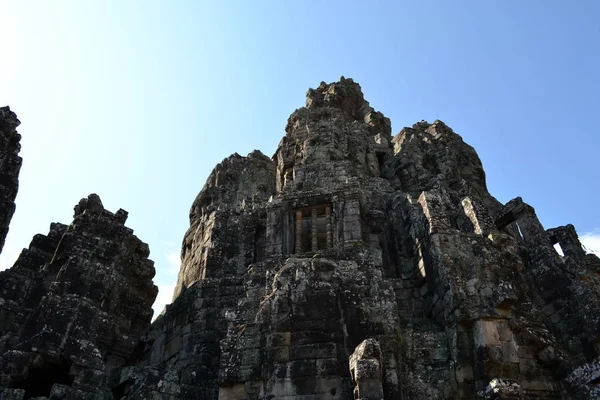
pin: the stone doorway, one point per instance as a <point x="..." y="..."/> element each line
<point x="40" y="379"/>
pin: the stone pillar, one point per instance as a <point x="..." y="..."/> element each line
<point x="328" y="222"/>
<point x="298" y="232"/>
<point x="313" y="214"/>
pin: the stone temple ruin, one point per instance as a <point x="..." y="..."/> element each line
<point x="353" y="264"/>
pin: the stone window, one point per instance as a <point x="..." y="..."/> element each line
<point x="313" y="228"/>
<point x="559" y="249"/>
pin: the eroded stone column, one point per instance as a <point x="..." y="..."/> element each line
<point x="298" y="232"/>
<point x="313" y="214"/>
<point x="328" y="222"/>
<point x="366" y="371"/>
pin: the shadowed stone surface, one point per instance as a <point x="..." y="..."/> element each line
<point x="350" y="265"/>
<point x="10" y="165"/>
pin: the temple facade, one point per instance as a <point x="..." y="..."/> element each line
<point x="352" y="264"/>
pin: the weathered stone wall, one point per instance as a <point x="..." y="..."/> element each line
<point x="10" y="165"/>
<point x="227" y="225"/>
<point x="450" y="293"/>
<point x="74" y="307"/>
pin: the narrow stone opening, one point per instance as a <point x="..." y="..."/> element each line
<point x="313" y="228"/>
<point x="559" y="249"/>
<point x="380" y="160"/>
<point x="40" y="379"/>
<point x="421" y="262"/>
<point x="519" y="230"/>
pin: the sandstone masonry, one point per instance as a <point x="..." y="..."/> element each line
<point x="74" y="307"/>
<point x="352" y="264"/>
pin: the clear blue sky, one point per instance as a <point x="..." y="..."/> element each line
<point x="138" y="100"/>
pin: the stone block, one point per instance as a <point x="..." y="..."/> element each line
<point x="502" y="370"/>
<point x="440" y="353"/>
<point x="328" y="367"/>
<point x="494" y="353"/>
<point x="311" y="337"/>
<point x="510" y="352"/>
<point x="525" y="352"/>
<point x="464" y="373"/>
<point x="313" y="351"/>
<point x="278" y="354"/>
<point x="540" y="385"/>
<point x="235" y="392"/>
<point x="278" y="339"/>
<point x="302" y="368"/>
<point x="504" y="331"/>
<point x="485" y="333"/>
